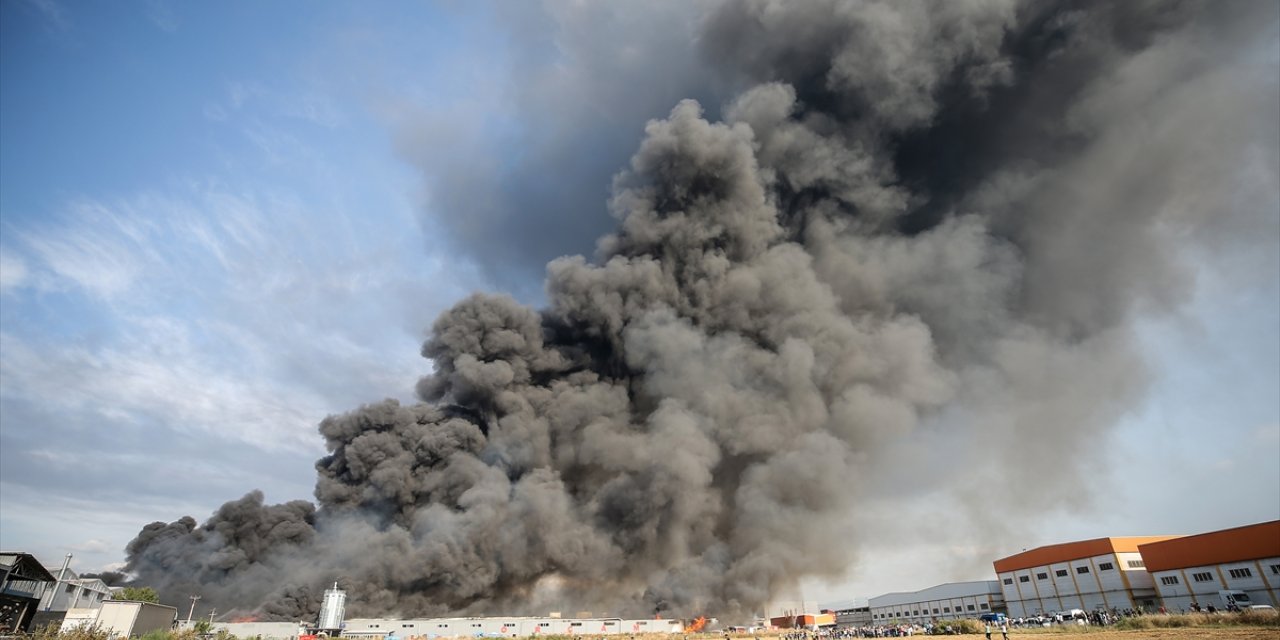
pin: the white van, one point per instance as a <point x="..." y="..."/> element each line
<point x="1234" y="597"/>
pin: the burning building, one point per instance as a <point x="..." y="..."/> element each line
<point x="912" y="228"/>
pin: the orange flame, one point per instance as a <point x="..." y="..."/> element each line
<point x="697" y="624"/>
<point x="248" y="618"/>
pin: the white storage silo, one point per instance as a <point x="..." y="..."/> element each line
<point x="332" y="609"/>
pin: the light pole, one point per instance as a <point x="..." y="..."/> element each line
<point x="193" y="609"/>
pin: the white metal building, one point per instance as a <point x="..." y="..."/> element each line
<point x="264" y="630"/>
<point x="950" y="601"/>
<point x="125" y="618"/>
<point x="1103" y="573"/>
<point x="498" y="627"/>
<point x="75" y="593"/>
<point x="852" y="613"/>
<point x="1197" y="570"/>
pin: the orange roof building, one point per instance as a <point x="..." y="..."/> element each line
<point x="810" y="621"/>
<point x="1239" y="566"/>
<point x="1088" y="575"/>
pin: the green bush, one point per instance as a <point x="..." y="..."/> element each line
<point x="50" y="632"/>
<point x="140" y="594"/>
<point x="1260" y="618"/>
<point x="1175" y="621"/>
<point x="957" y="626"/>
<point x="1134" y="624"/>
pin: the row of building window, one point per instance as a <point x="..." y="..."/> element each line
<point x="540" y="624"/>
<point x="1205" y="576"/>
<point x="1243" y="572"/>
<point x="1061" y="573"/>
<point x="917" y="612"/>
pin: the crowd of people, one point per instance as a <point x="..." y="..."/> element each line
<point x="869" y="631"/>
<point x="1099" y="618"/>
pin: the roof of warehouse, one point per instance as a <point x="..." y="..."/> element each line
<point x="24" y="566"/>
<point x="938" y="592"/>
<point x="1056" y="553"/>
<point x="1250" y="542"/>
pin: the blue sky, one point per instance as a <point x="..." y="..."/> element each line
<point x="212" y="235"/>
<point x="208" y="244"/>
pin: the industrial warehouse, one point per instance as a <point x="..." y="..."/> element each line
<point x="943" y="602"/>
<point x="1231" y="569"/>
<point x="1105" y="573"/>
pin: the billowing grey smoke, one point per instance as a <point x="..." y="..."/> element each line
<point x="916" y="223"/>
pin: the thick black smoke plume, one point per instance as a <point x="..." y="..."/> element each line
<point x="932" y="218"/>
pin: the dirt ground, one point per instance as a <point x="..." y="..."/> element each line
<point x="1156" y="634"/>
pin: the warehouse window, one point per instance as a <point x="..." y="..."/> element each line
<point x="1042" y="576"/>
<point x="476" y="625"/>
<point x="935" y="610"/>
<point x="1275" y="568"/>
<point x="1106" y="566"/>
<point x="1202" y="577"/>
<point x="1137" y="564"/>
<point x="970" y="607"/>
<point x="576" y="624"/>
<point x="1169" y="580"/>
<point x="1241" y="573"/>
<point x="1061" y="573"/>
<point x="1082" y="569"/>
<point x="406" y="626"/>
<point x="1008" y="580"/>
<point x="915" y="613"/>
<point x="946" y="609"/>
<point x="983" y="606"/>
<point x="1024" y="578"/>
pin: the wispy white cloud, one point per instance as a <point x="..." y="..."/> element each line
<point x="1267" y="435"/>
<point x="27" y="518"/>
<point x="162" y="15"/>
<point x="215" y="112"/>
<point x="313" y="107"/>
<point x="98" y="255"/>
<point x="277" y="145"/>
<point x="92" y="545"/>
<point x="13" y="271"/>
<point x="157" y="377"/>
<point x="244" y="317"/>
<point x="54" y="14"/>
<point x="307" y="103"/>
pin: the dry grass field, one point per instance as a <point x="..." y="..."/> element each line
<point x="1237" y="633"/>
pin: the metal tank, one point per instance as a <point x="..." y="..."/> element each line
<point x="332" y="609"/>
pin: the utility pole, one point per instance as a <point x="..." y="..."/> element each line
<point x="193" y="608"/>
<point x="215" y="610"/>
